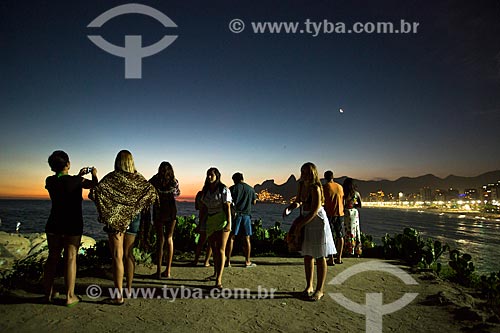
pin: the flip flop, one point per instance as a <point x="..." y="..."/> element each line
<point x="306" y="294"/>
<point x="251" y="265"/>
<point x="78" y="300"/>
<point x="339" y="262"/>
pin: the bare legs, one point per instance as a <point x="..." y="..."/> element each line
<point x="340" y="249"/>
<point x="160" y="243"/>
<point x="128" y="254"/>
<point x="71" y="245"/>
<point x="309" y="271"/>
<point x="247" y="247"/>
<point x="218" y="241"/>
<point x="170" y="246"/>
<point x="160" y="246"/>
<point x="229" y="249"/>
<point x="121" y="246"/>
<point x="199" y="247"/>
<point x="56" y="244"/>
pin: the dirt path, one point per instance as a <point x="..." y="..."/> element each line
<point x="286" y="311"/>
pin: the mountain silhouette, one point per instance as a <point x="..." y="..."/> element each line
<point x="404" y="184"/>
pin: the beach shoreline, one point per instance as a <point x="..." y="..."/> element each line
<point x="470" y="214"/>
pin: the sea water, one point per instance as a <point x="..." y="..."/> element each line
<point x="474" y="235"/>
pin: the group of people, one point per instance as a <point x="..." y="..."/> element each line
<point x="120" y="198"/>
<point x="123" y="194"/>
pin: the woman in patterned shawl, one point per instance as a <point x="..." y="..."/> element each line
<point x="120" y="197"/>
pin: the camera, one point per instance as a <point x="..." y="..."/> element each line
<point x="87" y="170"/>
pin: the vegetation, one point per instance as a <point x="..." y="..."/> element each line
<point x="409" y="246"/>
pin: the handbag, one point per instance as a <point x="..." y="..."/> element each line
<point x="294" y="242"/>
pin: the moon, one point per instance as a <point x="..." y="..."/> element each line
<point x="341" y="110"/>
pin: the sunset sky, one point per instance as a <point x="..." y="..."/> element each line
<point x="262" y="104"/>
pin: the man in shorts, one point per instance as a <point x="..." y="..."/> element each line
<point x="334" y="206"/>
<point x="243" y="198"/>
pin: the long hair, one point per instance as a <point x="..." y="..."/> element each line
<point x="206" y="186"/>
<point x="349" y="188"/>
<point x="166" y="175"/>
<point x="58" y="161"/>
<point x="313" y="178"/>
<point x="125" y="162"/>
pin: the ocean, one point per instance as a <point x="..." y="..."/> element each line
<point x="476" y="236"/>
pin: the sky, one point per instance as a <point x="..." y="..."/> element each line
<point x="258" y="103"/>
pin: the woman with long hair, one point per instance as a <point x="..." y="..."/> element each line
<point x="64" y="227"/>
<point x="216" y="197"/>
<point x="120" y="197"/>
<point x="352" y="200"/>
<point x="165" y="215"/>
<point x="317" y="241"/>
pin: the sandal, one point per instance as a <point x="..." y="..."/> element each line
<point x="78" y="300"/>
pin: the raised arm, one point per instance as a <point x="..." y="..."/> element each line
<point x="295" y="204"/>
<point x="88" y="184"/>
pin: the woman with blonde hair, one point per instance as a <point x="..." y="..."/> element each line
<point x="317" y="241"/>
<point x="165" y="214"/>
<point x="120" y="197"/>
<point x="216" y="197"/>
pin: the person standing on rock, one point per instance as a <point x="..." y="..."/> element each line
<point x="64" y="227"/>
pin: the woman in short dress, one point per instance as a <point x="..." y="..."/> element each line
<point x="217" y="199"/>
<point x="352" y="203"/>
<point x="165" y="215"/>
<point x="317" y="237"/>
<point x="64" y="227"/>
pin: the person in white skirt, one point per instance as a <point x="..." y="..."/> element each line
<point x="314" y="228"/>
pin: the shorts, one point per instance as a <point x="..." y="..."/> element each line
<point x="337" y="226"/>
<point x="132" y="229"/>
<point x="243" y="222"/>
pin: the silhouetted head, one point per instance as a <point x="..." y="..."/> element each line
<point x="166" y="172"/>
<point x="212" y="179"/>
<point x="237" y="177"/>
<point x="58" y="160"/>
<point x="328" y="175"/>
<point x="309" y="173"/>
<point x="125" y="162"/>
<point x="349" y="186"/>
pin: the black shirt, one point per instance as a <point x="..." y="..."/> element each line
<point x="66" y="212"/>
